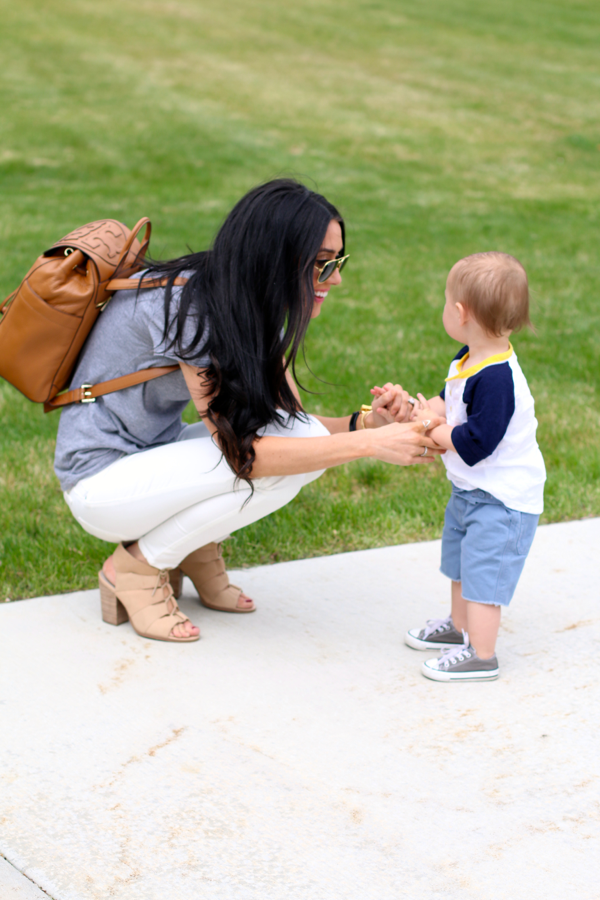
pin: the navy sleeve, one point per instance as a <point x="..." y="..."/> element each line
<point x="490" y="399"/>
<point x="459" y="355"/>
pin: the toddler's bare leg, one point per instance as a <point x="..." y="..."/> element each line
<point x="459" y="607"/>
<point x="483" y="622"/>
<point x="480" y="620"/>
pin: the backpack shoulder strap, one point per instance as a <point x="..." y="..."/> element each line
<point x="87" y="393"/>
<point x="126" y="284"/>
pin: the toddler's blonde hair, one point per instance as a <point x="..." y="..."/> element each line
<point x="493" y="287"/>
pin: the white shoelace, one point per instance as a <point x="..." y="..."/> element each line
<point x="453" y="655"/>
<point x="433" y="625"/>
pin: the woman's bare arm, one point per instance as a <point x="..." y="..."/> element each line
<point x="334" y="425"/>
<point x="399" y="444"/>
<point x="391" y="395"/>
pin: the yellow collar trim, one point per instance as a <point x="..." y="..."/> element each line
<point x="466" y="373"/>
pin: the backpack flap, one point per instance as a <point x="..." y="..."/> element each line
<point x="45" y="322"/>
<point x="111" y="247"/>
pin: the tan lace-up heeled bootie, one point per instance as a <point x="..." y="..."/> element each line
<point x="142" y="594"/>
<point x="206" y="569"/>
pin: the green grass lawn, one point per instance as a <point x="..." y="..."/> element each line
<point x="439" y="128"/>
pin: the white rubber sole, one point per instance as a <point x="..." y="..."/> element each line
<point x="412" y="641"/>
<point x="436" y="674"/>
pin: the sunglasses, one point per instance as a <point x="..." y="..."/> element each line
<point x="327" y="270"/>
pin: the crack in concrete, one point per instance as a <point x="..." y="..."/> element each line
<point x="175" y="734"/>
<point x="575" y="625"/>
<point x="169" y="740"/>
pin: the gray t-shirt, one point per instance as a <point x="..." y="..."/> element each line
<point x="127" y="337"/>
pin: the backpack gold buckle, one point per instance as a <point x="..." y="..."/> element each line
<point x="86" y="394"/>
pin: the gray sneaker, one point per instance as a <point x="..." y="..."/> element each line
<point x="461" y="664"/>
<point x="437" y="635"/>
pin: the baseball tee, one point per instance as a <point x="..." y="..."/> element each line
<point x="491" y="411"/>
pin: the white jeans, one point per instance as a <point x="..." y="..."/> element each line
<point x="178" y="497"/>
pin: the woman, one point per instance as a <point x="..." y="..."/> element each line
<point x="169" y="493"/>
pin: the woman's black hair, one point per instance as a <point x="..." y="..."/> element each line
<point x="250" y="298"/>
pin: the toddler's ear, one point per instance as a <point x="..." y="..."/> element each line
<point x="463" y="314"/>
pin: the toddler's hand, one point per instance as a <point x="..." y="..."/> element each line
<point x="420" y="404"/>
<point x="422" y="410"/>
<point x="426" y="414"/>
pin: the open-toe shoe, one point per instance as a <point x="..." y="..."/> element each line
<point x="142" y="594"/>
<point x="206" y="569"/>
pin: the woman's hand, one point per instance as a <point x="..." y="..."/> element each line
<point x="402" y="444"/>
<point x="390" y="404"/>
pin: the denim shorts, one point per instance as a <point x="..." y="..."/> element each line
<point x="485" y="545"/>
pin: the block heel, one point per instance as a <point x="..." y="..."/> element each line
<point x="176" y="579"/>
<point x="113" y="611"/>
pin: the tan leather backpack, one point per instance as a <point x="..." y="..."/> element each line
<point x="44" y="323"/>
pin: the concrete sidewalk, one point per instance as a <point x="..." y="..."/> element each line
<point x="298" y="753"/>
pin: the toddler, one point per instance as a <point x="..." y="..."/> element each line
<point x="493" y="461"/>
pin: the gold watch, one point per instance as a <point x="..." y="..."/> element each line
<point x="364" y="412"/>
